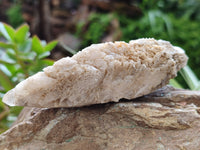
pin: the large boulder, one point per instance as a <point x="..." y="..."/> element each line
<point x="167" y="119"/>
<point x="101" y="73"/>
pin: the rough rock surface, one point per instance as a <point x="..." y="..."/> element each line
<point x="167" y="119"/>
<point x="101" y="73"/>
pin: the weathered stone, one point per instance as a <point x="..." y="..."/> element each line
<point x="166" y="119"/>
<point x="101" y="73"/>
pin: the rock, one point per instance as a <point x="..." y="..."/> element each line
<point x="101" y="73"/>
<point x="166" y="119"/>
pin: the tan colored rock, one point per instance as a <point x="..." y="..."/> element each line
<point x="171" y="123"/>
<point x="101" y="73"/>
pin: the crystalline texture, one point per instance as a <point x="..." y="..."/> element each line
<point x="101" y="73"/>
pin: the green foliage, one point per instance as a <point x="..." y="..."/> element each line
<point x="20" y="57"/>
<point x="14" y="15"/>
<point x="189" y="77"/>
<point x="175" y="84"/>
<point x="97" y="27"/>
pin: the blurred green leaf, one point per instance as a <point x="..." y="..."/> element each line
<point x="28" y="56"/>
<point x="43" y="55"/>
<point x="21" y="33"/>
<point x="3" y="126"/>
<point x="36" y="45"/>
<point x="43" y="43"/>
<point x="39" y="65"/>
<point x="19" y="76"/>
<point x="5" y="58"/>
<point x="48" y="62"/>
<point x="1" y="103"/>
<point x="50" y="46"/>
<point x="168" y="25"/>
<point x="5" y="45"/>
<point x="5" y="70"/>
<point x="11" y="55"/>
<point x="175" y="84"/>
<point x="10" y="31"/>
<point x="5" y="62"/>
<point x="14" y="14"/>
<point x="16" y="110"/>
<point x="4" y="32"/>
<point x="190" y="78"/>
<point x="5" y="81"/>
<point x="25" y="46"/>
<point x="14" y="69"/>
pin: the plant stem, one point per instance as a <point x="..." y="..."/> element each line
<point x="4" y="62"/>
<point x="21" y="63"/>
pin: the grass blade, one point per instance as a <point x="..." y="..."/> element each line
<point x="190" y="78"/>
<point x="175" y="84"/>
